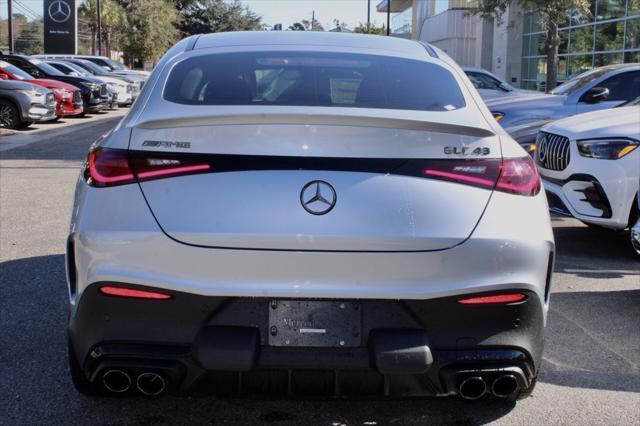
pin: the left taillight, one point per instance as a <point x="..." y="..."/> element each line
<point x="110" y="167"/>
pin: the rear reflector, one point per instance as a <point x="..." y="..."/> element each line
<point x="133" y="293"/>
<point x="496" y="298"/>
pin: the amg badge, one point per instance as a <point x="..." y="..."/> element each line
<point x="167" y="144"/>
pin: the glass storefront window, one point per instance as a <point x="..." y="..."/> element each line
<point x="603" y="59"/>
<point x="610" y="9"/>
<point x="579" y="64"/>
<point x="562" y="67"/>
<point x="630" y="57"/>
<point x="564" y="42"/>
<point x="633" y="7"/>
<point x="581" y="39"/>
<point x="539" y="47"/>
<point x="609" y="36"/>
<point x="401" y="21"/>
<point x="633" y="34"/>
<point x="526" y="40"/>
<point x="578" y="18"/>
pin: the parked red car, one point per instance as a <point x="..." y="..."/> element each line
<point x="68" y="97"/>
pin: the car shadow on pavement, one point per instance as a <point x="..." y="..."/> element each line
<point x="577" y="246"/>
<point x="591" y="339"/>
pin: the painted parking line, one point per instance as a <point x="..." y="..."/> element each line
<point x="601" y="271"/>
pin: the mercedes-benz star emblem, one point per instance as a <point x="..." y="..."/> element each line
<point x="542" y="148"/>
<point x="318" y="197"/>
<point x="59" y="11"/>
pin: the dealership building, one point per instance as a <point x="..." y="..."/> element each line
<point x="513" y="47"/>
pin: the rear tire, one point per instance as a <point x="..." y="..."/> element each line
<point x="9" y="115"/>
<point x="78" y="378"/>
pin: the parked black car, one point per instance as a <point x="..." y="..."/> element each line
<point x="94" y="91"/>
<point x="23" y="103"/>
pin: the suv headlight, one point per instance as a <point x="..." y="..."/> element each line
<point x="93" y="86"/>
<point x="62" y="92"/>
<point x="33" y="95"/>
<point x="606" y="149"/>
<point x="497" y="115"/>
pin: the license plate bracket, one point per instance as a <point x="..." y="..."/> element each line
<point x="314" y="323"/>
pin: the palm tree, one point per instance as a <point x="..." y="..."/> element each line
<point x="112" y="17"/>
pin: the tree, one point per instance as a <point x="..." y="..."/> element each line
<point x="551" y="13"/>
<point x="30" y="41"/>
<point x="297" y="26"/>
<point x="151" y="29"/>
<point x="340" y="26"/>
<point x="362" y="29"/>
<point x="211" y="16"/>
<point x="316" y="26"/>
<point x="112" y="18"/>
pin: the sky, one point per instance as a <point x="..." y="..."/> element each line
<point x="283" y="12"/>
<point x="286" y="12"/>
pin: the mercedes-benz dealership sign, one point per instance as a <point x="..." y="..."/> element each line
<point x="60" y="26"/>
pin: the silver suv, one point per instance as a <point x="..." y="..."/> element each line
<point x="599" y="88"/>
<point x="317" y="212"/>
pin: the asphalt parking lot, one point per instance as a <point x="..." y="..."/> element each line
<point x="590" y="375"/>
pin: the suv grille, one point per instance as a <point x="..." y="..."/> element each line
<point x="552" y="151"/>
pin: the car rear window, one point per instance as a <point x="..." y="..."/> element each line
<point x="313" y="79"/>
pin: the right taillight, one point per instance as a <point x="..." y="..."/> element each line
<point x="513" y="175"/>
<point x="110" y="167"/>
<point x="519" y="176"/>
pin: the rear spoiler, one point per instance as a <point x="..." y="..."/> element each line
<point x="327" y="120"/>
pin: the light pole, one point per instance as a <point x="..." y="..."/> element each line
<point x="10" y="26"/>
<point x="388" y="17"/>
<point x="368" y="16"/>
<point x="99" y="28"/>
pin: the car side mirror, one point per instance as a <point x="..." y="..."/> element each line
<point x="596" y="94"/>
<point x="505" y="87"/>
<point x="4" y="77"/>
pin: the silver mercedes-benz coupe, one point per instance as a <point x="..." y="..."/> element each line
<point x="311" y="213"/>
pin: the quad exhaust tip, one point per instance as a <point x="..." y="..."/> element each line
<point x="116" y="381"/>
<point x="150" y="384"/>
<point x="472" y="388"/>
<point x="505" y="386"/>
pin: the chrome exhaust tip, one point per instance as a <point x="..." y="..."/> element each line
<point x="150" y="384"/>
<point x="472" y="388"/>
<point x="116" y="381"/>
<point x="505" y="386"/>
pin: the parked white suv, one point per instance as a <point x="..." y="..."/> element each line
<point x="590" y="165"/>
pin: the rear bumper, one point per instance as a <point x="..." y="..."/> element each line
<point x="413" y="294"/>
<point x="192" y="338"/>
